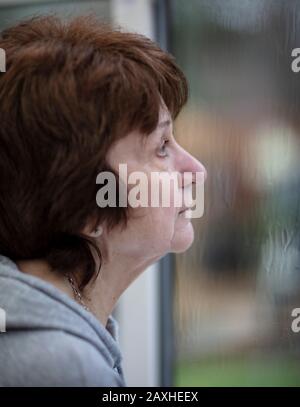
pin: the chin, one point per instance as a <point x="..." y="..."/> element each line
<point x="183" y="239"/>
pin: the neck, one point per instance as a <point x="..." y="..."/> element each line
<point x="100" y="295"/>
<point x="115" y="276"/>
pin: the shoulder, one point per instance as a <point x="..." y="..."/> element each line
<point x="56" y="358"/>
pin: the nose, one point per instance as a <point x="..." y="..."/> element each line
<point x="189" y="164"/>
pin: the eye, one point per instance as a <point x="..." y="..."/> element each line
<point x="162" y="149"/>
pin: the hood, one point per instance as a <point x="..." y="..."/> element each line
<point x="31" y="303"/>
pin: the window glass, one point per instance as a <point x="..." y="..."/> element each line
<point x="237" y="286"/>
<point x="10" y="11"/>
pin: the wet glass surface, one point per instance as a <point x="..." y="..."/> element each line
<point x="12" y="11"/>
<point x="236" y="287"/>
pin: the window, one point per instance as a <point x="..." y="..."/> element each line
<point x="236" y="287"/>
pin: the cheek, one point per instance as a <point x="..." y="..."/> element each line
<point x="153" y="228"/>
<point x="160" y="226"/>
<point x="150" y="232"/>
<point x="161" y="221"/>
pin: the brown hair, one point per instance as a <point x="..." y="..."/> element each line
<point x="70" y="90"/>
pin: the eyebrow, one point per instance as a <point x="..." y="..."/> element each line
<point x="160" y="125"/>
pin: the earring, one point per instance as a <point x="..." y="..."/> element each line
<point x="97" y="232"/>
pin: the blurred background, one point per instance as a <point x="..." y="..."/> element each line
<point x="237" y="285"/>
<point x="220" y="314"/>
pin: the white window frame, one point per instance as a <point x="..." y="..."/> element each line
<point x="138" y="308"/>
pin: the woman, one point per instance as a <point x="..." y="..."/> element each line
<point x="79" y="98"/>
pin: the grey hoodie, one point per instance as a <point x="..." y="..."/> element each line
<point x="50" y="339"/>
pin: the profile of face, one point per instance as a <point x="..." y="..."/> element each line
<point x="152" y="232"/>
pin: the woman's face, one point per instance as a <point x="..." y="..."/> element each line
<point x="154" y="231"/>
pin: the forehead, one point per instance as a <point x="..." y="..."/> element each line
<point x="164" y="113"/>
<point x="164" y="121"/>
